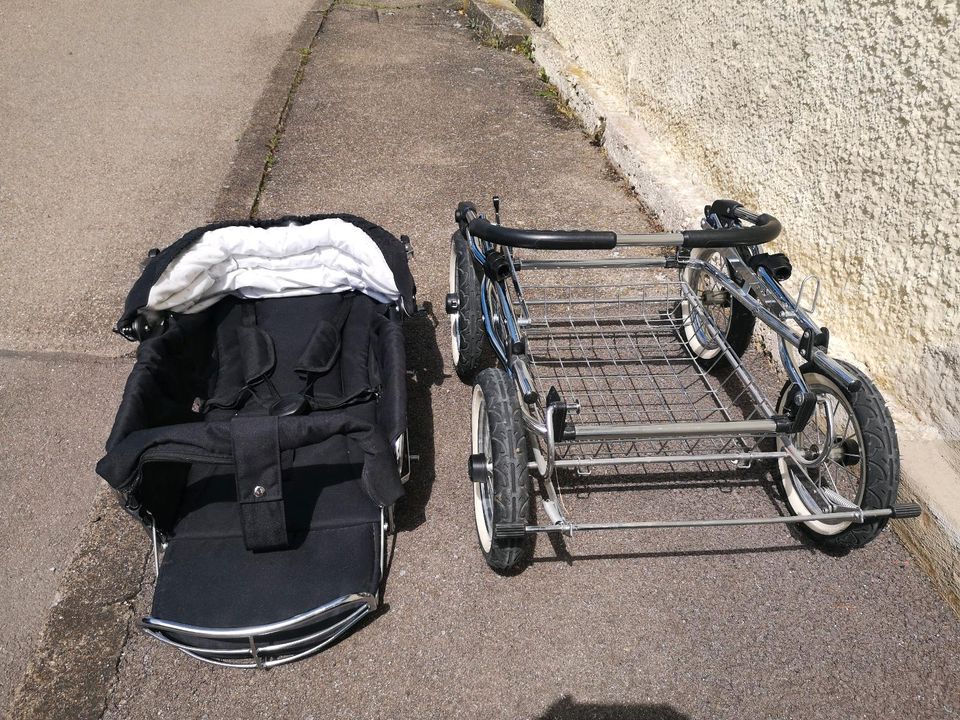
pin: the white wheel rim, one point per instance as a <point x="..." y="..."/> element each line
<point x="789" y="481"/>
<point x="454" y="317"/>
<point x="482" y="507"/>
<point x="699" y="345"/>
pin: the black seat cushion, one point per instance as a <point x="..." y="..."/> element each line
<point x="218" y="583"/>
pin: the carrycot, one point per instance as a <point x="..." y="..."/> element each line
<point x="261" y="438"/>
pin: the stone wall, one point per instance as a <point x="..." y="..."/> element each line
<point x="840" y="118"/>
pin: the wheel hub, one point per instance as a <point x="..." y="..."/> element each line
<point x="452" y="303"/>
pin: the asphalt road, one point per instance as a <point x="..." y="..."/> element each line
<point x="401" y="114"/>
<point x="120" y="124"/>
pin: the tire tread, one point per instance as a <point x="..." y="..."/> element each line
<point x="511" y="477"/>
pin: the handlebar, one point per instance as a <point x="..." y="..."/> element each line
<point x="532" y="239"/>
<point x="764" y="229"/>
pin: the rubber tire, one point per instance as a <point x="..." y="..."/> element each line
<point x="471" y="335"/>
<point x="512" y="484"/>
<point x="882" y="455"/>
<point x="739" y="332"/>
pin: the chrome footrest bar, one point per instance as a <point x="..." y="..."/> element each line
<point x="264" y="648"/>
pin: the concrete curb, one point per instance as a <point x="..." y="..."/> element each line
<point x="674" y="195"/>
<point x="76" y="662"/>
<point x="930" y="477"/>
<point x="499" y="20"/>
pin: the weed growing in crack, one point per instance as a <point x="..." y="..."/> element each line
<point x="525" y="48"/>
<point x="550" y="92"/>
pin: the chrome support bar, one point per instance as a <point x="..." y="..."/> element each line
<point x="260" y="649"/>
<point x="658" y="459"/>
<point x="856" y="516"/>
<point x="593" y="301"/>
<point x="669" y="430"/>
<point x="256" y="630"/>
<point x="599" y="263"/>
<point x="524" y="379"/>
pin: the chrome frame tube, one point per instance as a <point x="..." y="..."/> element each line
<point x="260" y="651"/>
<point x="220" y="657"/>
<point x="781" y="328"/>
<point x="819" y="358"/>
<point x="664" y="239"/>
<point x="855" y="516"/>
<point x="801" y="317"/>
<point x="668" y="430"/>
<point x="598" y="263"/>
<point x="664" y="459"/>
<point x="241" y="633"/>
<point x="793" y="372"/>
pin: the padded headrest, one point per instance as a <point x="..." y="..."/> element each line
<point x="272" y="258"/>
<point x="324" y="256"/>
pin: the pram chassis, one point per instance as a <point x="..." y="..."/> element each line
<point x="544" y="337"/>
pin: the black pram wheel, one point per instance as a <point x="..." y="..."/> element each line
<point x="466" y="319"/>
<point x="862" y="468"/>
<point x="502" y="495"/>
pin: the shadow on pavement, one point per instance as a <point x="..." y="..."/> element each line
<point x="424" y="370"/>
<point x="566" y="708"/>
<point x="564" y="555"/>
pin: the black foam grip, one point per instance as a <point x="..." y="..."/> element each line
<point x="766" y="229"/>
<point x="542" y="239"/>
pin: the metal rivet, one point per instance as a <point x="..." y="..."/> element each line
<point x="259" y="491"/>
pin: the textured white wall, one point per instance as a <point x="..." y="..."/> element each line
<point x="837" y="116"/>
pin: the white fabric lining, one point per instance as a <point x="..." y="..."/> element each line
<point x="325" y="256"/>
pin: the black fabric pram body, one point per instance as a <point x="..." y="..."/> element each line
<point x="262" y="433"/>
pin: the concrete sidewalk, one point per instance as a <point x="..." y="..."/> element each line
<point x="402" y="113"/>
<point x="120" y="124"/>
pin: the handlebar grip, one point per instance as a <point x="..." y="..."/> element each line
<point x="460" y="216"/>
<point x="765" y="228"/>
<point x="540" y="239"/>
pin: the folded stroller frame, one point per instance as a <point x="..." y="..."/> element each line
<point x="629" y="364"/>
<point x="261" y="438"/>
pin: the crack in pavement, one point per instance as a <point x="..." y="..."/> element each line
<point x="81" y="645"/>
<point x="129" y="603"/>
<point x="274" y="143"/>
<point x="64" y="356"/>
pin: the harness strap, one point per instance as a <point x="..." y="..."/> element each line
<point x="323" y="350"/>
<point x="258" y="359"/>
<point x="258" y="356"/>
<point x="256" y="454"/>
<point x="324" y="402"/>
